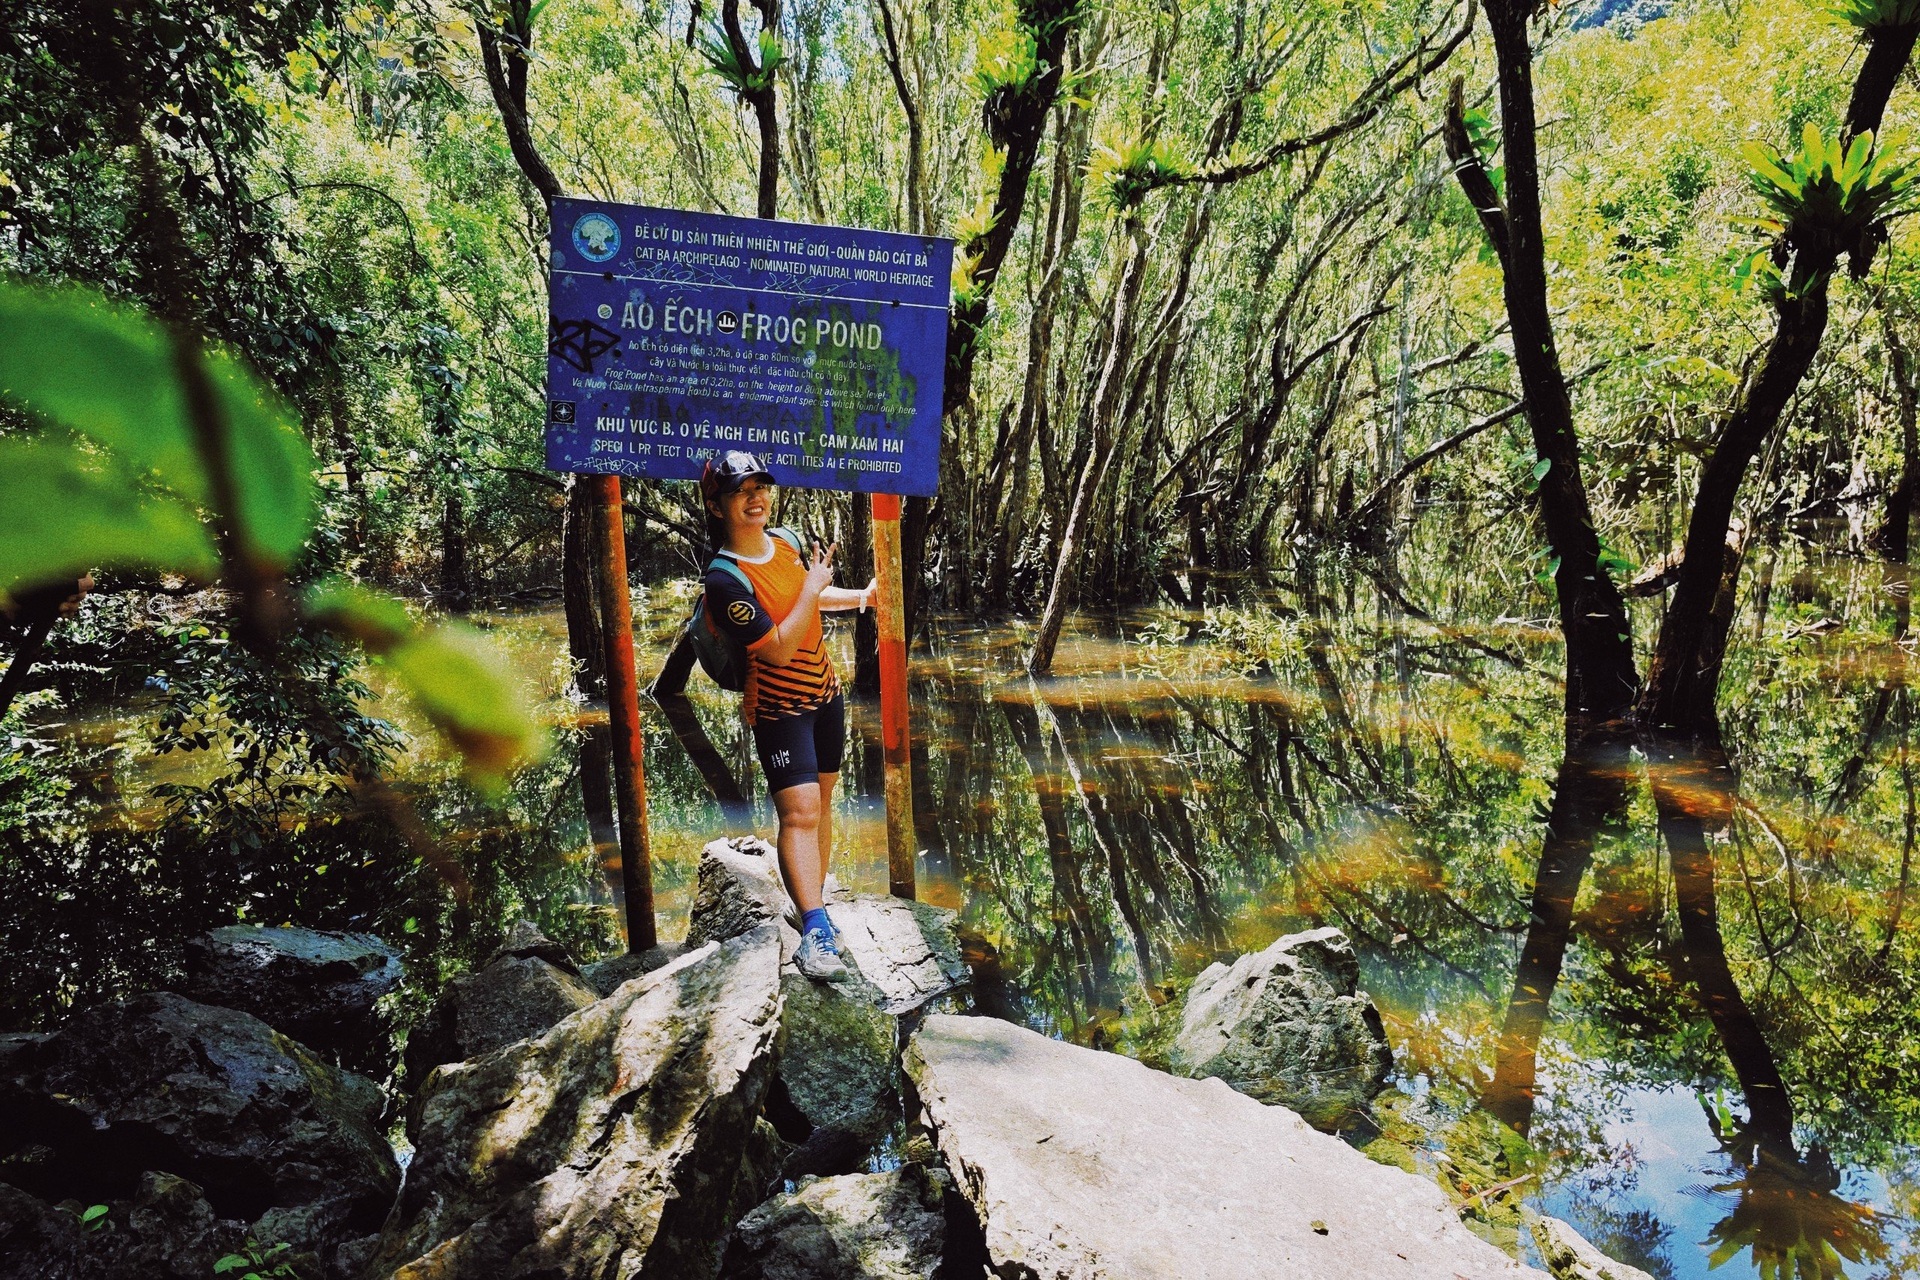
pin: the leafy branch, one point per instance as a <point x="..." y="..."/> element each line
<point x="166" y="454"/>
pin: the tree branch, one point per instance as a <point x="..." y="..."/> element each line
<point x="1471" y="171"/>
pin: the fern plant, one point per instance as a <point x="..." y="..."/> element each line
<point x="717" y="50"/>
<point x="1008" y="60"/>
<point x="1828" y="193"/>
<point x="1876" y="15"/>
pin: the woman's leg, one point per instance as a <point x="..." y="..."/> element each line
<point x="799" y="842"/>
<point x="827" y="781"/>
<point x="829" y="749"/>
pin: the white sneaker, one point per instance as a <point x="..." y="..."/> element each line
<point x="819" y="959"/>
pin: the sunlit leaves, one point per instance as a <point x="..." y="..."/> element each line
<point x="173" y="433"/>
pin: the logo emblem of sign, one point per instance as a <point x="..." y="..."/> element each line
<point x="596" y="237"/>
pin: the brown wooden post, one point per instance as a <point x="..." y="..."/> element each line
<point x="895" y="740"/>
<point x="623" y="708"/>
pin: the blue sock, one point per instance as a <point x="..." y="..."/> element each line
<point x="816" y="920"/>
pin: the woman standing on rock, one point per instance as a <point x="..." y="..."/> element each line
<point x="772" y="606"/>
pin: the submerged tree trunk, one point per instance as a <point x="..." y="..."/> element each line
<point x="586" y="647"/>
<point x="507" y="81"/>
<point x="456" y="593"/>
<point x="1590" y="797"/>
<point x="1106" y="399"/>
<point x="1693" y="788"/>
<point x="1601" y="677"/>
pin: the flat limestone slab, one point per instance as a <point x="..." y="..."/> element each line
<point x="1090" y="1166"/>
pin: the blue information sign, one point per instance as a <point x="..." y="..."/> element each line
<point x="674" y="336"/>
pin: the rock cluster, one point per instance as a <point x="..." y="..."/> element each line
<point x="704" y="1111"/>
<point x="195" y="1127"/>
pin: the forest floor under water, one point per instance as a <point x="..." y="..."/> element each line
<point x="1189" y="786"/>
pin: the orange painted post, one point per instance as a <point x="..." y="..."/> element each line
<point x="623" y="708"/>
<point x="890" y="613"/>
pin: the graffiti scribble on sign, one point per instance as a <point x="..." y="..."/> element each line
<point x="580" y="342"/>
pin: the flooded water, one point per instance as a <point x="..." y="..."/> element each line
<point x="1703" y="1050"/>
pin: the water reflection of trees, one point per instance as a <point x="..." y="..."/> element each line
<point x="1786" y="1215"/>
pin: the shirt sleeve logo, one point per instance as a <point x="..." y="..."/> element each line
<point x="740" y="611"/>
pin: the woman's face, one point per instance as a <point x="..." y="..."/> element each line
<point x="747" y="506"/>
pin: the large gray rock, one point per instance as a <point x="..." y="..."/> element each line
<point x="163" y="1084"/>
<point x="1085" y="1164"/>
<point x="318" y="987"/>
<point x="908" y="952"/>
<point x="861" y="1226"/>
<point x="1570" y="1256"/>
<point x="607" y="1147"/>
<point x="1289" y="1026"/>
<point x="840" y="1063"/>
<point x="737" y="888"/>
<point x="520" y="993"/>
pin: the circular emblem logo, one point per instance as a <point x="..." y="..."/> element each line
<point x="740" y="611"/>
<point x="726" y="322"/>
<point x="596" y="236"/>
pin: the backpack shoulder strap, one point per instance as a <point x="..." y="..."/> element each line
<point x="726" y="565"/>
<point x="791" y="538"/>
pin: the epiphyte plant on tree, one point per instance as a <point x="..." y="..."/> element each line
<point x="1828" y="193"/>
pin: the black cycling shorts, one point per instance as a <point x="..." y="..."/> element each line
<point x="797" y="749"/>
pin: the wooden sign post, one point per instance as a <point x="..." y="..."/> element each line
<point x="895" y="738"/>
<point x="623" y="709"/>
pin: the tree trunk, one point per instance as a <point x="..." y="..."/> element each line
<point x="1895" y="535"/>
<point x="1601" y="678"/>
<point x="456" y="593"/>
<point x="1105" y="402"/>
<point x="1016" y="123"/>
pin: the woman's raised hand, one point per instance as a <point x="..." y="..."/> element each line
<point x="820" y="572"/>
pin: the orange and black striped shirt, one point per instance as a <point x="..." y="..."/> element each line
<point x="808" y="681"/>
